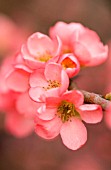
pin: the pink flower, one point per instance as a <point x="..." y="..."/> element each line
<point x="40" y="49"/>
<point x="50" y="81"/>
<point x="84" y="43"/>
<point x="11" y="36"/>
<point x="64" y="115"/>
<point x="17" y="79"/>
<point x="107" y="117"/>
<point x="70" y="64"/>
<point x="19" y="109"/>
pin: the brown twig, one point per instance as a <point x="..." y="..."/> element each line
<point x="96" y="99"/>
<point x="92" y="98"/>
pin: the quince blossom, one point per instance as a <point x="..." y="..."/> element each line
<point x="40" y="49"/>
<point x="84" y="43"/>
<point x="63" y="115"/>
<point x="70" y="64"/>
<point x="50" y="81"/>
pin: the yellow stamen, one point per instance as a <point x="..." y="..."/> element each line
<point x="52" y="84"/>
<point x="66" y="111"/>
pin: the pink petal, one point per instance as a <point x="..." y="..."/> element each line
<point x="35" y="93"/>
<point x="48" y="129"/>
<point x="30" y="60"/>
<point x="38" y="44"/>
<point x="48" y="114"/>
<point x="64" y="82"/>
<point x="37" y="79"/>
<point x="18" y="80"/>
<point x="73" y="134"/>
<point x="91" y="113"/>
<point x="53" y="71"/>
<point x="26" y="106"/>
<point x="81" y="52"/>
<point x="53" y="102"/>
<point x="74" y="96"/>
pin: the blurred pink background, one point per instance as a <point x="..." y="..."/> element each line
<point x="34" y="153"/>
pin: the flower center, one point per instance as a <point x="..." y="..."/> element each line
<point x="43" y="57"/>
<point x="52" y="84"/>
<point x="66" y="111"/>
<point x="68" y="63"/>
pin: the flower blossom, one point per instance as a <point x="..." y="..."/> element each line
<point x="19" y="109"/>
<point x="84" y="43"/>
<point x="107" y="117"/>
<point x="8" y="42"/>
<point x="40" y="49"/>
<point x="50" y="81"/>
<point x="70" y="64"/>
<point x="63" y="115"/>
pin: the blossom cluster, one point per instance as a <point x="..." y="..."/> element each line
<point x="34" y="84"/>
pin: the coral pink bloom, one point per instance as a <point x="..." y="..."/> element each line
<point x="50" y="81"/>
<point x="70" y="64"/>
<point x="64" y="31"/>
<point x="64" y="115"/>
<point x="17" y="124"/>
<point x="107" y="117"/>
<point x="18" y="77"/>
<point x="39" y="49"/>
<point x="84" y="43"/>
<point x="11" y="36"/>
<point x="88" y="48"/>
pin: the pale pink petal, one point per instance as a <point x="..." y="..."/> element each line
<point x="48" y="129"/>
<point x="48" y="114"/>
<point x="64" y="31"/>
<point x="74" y="96"/>
<point x="37" y="79"/>
<point x="18" y="125"/>
<point x="60" y="29"/>
<point x="64" y="82"/>
<point x="18" y="80"/>
<point x="30" y="60"/>
<point x="23" y="67"/>
<point x="99" y="58"/>
<point x="53" y="71"/>
<point x="81" y="52"/>
<point x="25" y="105"/>
<point x="91" y="113"/>
<point x="35" y="93"/>
<point x="38" y="44"/>
<point x="73" y="134"/>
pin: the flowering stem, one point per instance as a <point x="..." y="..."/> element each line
<point x="90" y="97"/>
<point x="96" y="99"/>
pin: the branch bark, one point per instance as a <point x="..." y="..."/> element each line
<point x="95" y="99"/>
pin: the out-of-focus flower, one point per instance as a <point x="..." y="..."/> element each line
<point x="107" y="117"/>
<point x="11" y="36"/>
<point x="18" y="116"/>
<point x="70" y="64"/>
<point x="51" y="81"/>
<point x="64" y="115"/>
<point x="84" y="43"/>
<point x="40" y="49"/>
